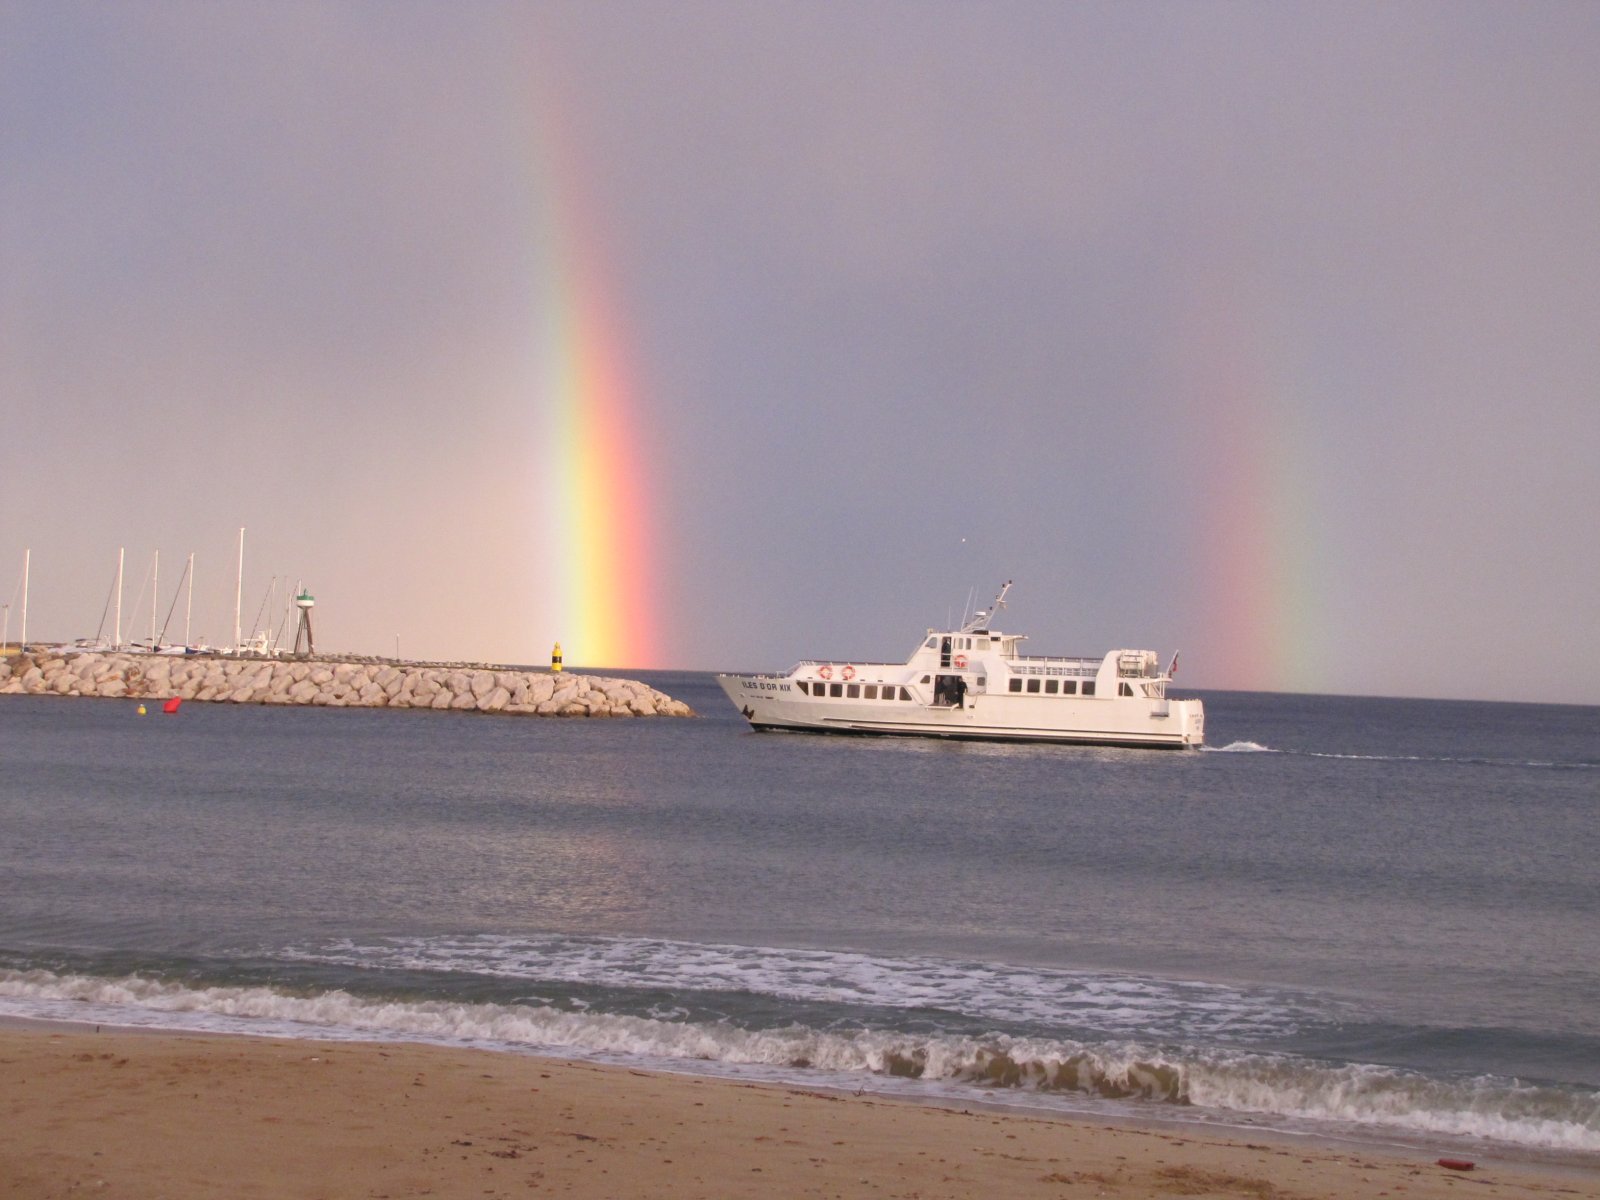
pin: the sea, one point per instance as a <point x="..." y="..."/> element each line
<point x="1374" y="919"/>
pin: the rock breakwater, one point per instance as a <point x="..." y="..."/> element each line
<point x="333" y="683"/>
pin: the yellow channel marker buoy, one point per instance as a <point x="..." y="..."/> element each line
<point x="555" y="658"/>
<point x="141" y="710"/>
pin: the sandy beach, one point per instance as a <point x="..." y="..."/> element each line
<point x="139" y="1115"/>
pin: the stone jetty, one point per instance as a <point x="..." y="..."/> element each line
<point x="334" y="683"/>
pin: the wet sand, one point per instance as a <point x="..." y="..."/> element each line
<point x="182" y="1117"/>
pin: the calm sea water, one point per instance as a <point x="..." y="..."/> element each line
<point x="1378" y="916"/>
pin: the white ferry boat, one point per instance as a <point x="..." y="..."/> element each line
<point x="975" y="683"/>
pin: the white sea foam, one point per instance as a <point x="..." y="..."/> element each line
<point x="1105" y="1003"/>
<point x="1238" y="1083"/>
<point x="1240" y="748"/>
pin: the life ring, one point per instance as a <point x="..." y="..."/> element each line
<point x="961" y="662"/>
<point x="825" y="672"/>
<point x="848" y="673"/>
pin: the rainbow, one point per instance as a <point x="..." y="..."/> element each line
<point x="1262" y="542"/>
<point x="597" y="539"/>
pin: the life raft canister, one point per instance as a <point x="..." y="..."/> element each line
<point x="825" y="672"/>
<point x="848" y="673"/>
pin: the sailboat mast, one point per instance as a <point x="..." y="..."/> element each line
<point x="238" y="592"/>
<point x="116" y="641"/>
<point x="155" y="599"/>
<point x="27" y="556"/>
<point x="188" y="609"/>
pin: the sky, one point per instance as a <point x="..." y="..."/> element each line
<point x="715" y="335"/>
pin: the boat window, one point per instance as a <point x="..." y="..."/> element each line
<point x="1052" y="686"/>
<point x="983" y="643"/>
<point x="853" y="692"/>
<point x="869" y="692"/>
<point x="1069" y="687"/>
<point x="930" y="643"/>
<point x="1033" y="685"/>
<point x="1016" y="685"/>
<point x="1088" y="687"/>
<point x="1125" y="690"/>
<point x="904" y="694"/>
<point x="803" y="686"/>
<point x="836" y="689"/>
<point x="924" y="679"/>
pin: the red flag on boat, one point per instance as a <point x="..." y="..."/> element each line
<point x="171" y="706"/>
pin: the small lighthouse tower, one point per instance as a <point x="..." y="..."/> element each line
<point x="302" y="634"/>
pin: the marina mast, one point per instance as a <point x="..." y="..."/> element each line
<point x="238" y="592"/>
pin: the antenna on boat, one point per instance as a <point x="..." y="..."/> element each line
<point x="980" y="619"/>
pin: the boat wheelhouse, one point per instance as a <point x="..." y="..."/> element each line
<point x="975" y="683"/>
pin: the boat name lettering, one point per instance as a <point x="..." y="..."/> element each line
<point x="765" y="685"/>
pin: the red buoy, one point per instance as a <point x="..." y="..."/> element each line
<point x="1457" y="1164"/>
<point x="171" y="706"/>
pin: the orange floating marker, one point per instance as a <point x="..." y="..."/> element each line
<point x="171" y="706"/>
<point x="1457" y="1164"/>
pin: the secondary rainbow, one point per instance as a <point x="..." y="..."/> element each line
<point x="1263" y="545"/>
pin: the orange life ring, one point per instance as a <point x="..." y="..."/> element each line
<point x="825" y="672"/>
<point x="961" y="662"/>
<point x="848" y="673"/>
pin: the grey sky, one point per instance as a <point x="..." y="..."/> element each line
<point x="1267" y="331"/>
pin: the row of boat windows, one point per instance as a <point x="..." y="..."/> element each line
<point x="1059" y="687"/>
<point x="854" y="691"/>
<point x="958" y="643"/>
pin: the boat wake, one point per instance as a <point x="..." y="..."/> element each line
<point x="1248" y="747"/>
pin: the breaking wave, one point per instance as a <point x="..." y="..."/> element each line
<point x="1224" y="1082"/>
<point x="1105" y="1003"/>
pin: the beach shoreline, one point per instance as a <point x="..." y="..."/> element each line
<point x="176" y="1115"/>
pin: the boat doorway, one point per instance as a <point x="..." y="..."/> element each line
<point x="949" y="691"/>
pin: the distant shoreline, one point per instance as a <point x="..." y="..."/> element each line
<point x="331" y="681"/>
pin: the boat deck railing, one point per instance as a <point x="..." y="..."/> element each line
<point x="1054" y="658"/>
<point x="841" y="662"/>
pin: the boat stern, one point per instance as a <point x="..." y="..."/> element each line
<point x="1189" y="717"/>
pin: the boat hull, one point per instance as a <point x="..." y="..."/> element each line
<point x="771" y="703"/>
